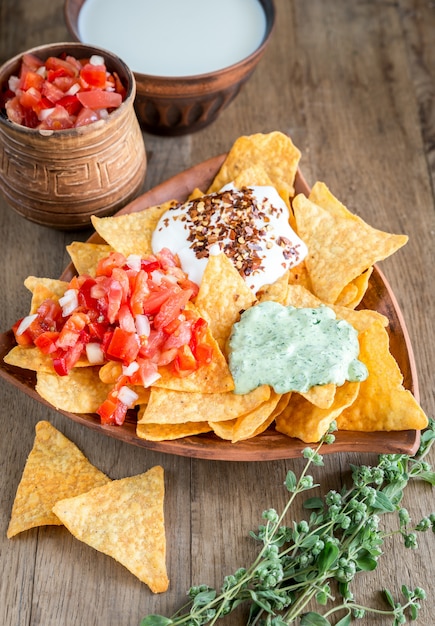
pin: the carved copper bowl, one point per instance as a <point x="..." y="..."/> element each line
<point x="60" y="178"/>
<point x="183" y="105"/>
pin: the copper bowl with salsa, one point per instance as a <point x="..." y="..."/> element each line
<point x="58" y="176"/>
<point x="183" y="90"/>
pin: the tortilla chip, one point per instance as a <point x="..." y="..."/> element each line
<point x="340" y="247"/>
<point x="304" y="421"/>
<point x="256" y="421"/>
<point x="274" y="152"/>
<point x="80" y="392"/>
<point x="55" y="469"/>
<point x="277" y="291"/>
<point x="320" y="395"/>
<point x="86" y="256"/>
<point x="222" y="295"/>
<point x="132" y="532"/>
<point x="31" y="358"/>
<point x="354" y="292"/>
<point x="383" y="404"/>
<point x="44" y="289"/>
<point x="131" y="233"/>
<point x="177" y="407"/>
<point x="169" y="432"/>
<point x="361" y="319"/>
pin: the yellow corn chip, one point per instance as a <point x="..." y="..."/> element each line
<point x="340" y="247"/>
<point x="80" y="392"/>
<point x="169" y="432"/>
<point x="55" y="469"/>
<point x="132" y="531"/>
<point x="222" y="295"/>
<point x="303" y="420"/>
<point x="176" y="407"/>
<point x="85" y="256"/>
<point x="383" y="404"/>
<point x="131" y="233"/>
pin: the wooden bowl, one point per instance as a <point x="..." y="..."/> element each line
<point x="181" y="105"/>
<point x="60" y="178"/>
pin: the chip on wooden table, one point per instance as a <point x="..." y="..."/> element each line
<point x="125" y="520"/>
<point x="55" y="469"/>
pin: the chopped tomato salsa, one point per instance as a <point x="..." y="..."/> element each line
<point x="133" y="312"/>
<point x="61" y="93"/>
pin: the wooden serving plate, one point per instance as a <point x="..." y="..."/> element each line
<point x="270" y="445"/>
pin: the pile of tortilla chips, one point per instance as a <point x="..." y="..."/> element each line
<point x="122" y="518"/>
<point x="342" y="250"/>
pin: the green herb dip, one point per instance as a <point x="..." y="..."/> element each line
<point x="292" y="349"/>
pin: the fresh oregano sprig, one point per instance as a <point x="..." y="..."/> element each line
<point x="303" y="562"/>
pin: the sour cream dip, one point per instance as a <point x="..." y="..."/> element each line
<point x="174" y="37"/>
<point x="250" y="225"/>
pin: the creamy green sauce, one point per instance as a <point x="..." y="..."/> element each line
<point x="293" y="349"/>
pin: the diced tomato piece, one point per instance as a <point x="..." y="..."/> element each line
<point x="52" y="93"/>
<point x="70" y="333"/>
<point x="171" y="308"/>
<point x="185" y="362"/>
<point x="156" y="299"/>
<point x="140" y="291"/>
<point x="55" y="63"/>
<point x="154" y="343"/>
<point x="94" y="75"/>
<point x="58" y="119"/>
<point x="106" y="265"/>
<point x="119" y="87"/>
<point x="124" y="346"/>
<point x="107" y="411"/>
<point x="46" y="342"/>
<point x="100" y="99"/>
<point x="32" y="61"/>
<point x="71" y="104"/>
<point x="30" y="79"/>
<point x="14" y="110"/>
<point x="30" y="98"/>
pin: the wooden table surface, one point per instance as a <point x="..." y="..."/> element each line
<point x="353" y="84"/>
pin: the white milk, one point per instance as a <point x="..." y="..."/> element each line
<point x="174" y="37"/>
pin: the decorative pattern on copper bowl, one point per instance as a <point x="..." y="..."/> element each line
<point x="182" y="105"/>
<point x="60" y="178"/>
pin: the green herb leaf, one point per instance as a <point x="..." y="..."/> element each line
<point x="314" y="619"/>
<point x="389" y="598"/>
<point x="327" y="557"/>
<point x="156" y="620"/>
<point x="383" y="503"/>
<point x="290" y="481"/>
<point x="345" y="621"/>
<point x="314" y="503"/>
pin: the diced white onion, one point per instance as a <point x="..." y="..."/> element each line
<point x="104" y="114"/>
<point x="42" y="71"/>
<point x="13" y="83"/>
<point x="151" y="379"/>
<point x="143" y="327"/>
<point x="95" y="353"/>
<point x="25" y="323"/>
<point x="134" y="262"/>
<point x="44" y="113"/>
<point x="69" y="301"/>
<point x="73" y="90"/>
<point x="96" y="59"/>
<point x="170" y="278"/>
<point x="129" y="370"/>
<point x="127" y="396"/>
<point x="157" y="276"/>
